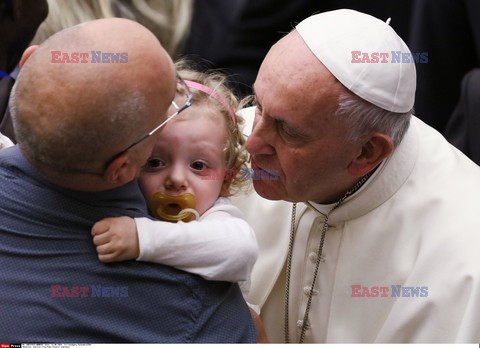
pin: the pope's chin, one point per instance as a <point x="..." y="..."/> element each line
<point x="269" y="189"/>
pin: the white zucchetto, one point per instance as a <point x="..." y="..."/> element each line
<point x="347" y="42"/>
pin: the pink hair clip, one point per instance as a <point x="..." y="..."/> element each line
<point x="218" y="97"/>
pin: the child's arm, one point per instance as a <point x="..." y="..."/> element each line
<point x="218" y="247"/>
<point x="221" y="246"/>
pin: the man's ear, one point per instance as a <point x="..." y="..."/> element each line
<point x="378" y="147"/>
<point x="28" y="52"/>
<point x="120" y="171"/>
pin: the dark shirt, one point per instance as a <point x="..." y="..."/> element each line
<point x="464" y="125"/>
<point x="450" y="32"/>
<point x="47" y="260"/>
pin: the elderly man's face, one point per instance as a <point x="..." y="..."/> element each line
<point x="296" y="131"/>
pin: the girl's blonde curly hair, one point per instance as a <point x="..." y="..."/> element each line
<point x="235" y="154"/>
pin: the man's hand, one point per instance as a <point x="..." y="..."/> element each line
<point x="116" y="239"/>
<point x="261" y="334"/>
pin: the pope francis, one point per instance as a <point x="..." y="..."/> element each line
<point x="371" y="232"/>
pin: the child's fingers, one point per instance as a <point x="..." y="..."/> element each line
<point x="109" y="254"/>
<point x="112" y="238"/>
<point x="105" y="249"/>
<point x="102" y="239"/>
<point x="106" y="258"/>
<point x="100" y="227"/>
<point x="109" y="257"/>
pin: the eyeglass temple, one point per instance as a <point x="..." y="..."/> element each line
<point x="175" y="105"/>
<point x="187" y="104"/>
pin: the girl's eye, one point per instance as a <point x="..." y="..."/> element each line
<point x="198" y="165"/>
<point x="153" y="163"/>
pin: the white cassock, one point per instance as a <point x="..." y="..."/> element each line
<point x="413" y="229"/>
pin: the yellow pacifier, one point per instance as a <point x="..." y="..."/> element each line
<point x="174" y="208"/>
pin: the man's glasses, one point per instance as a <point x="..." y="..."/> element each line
<point x="182" y="100"/>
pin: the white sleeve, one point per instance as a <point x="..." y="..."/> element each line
<point x="5" y="141"/>
<point x="220" y="246"/>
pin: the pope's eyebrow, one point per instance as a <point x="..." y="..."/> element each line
<point x="281" y="124"/>
<point x="290" y="130"/>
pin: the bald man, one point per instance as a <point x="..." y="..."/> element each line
<point x="84" y="128"/>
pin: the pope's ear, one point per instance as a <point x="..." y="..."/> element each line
<point x="28" y="52"/>
<point x="377" y="147"/>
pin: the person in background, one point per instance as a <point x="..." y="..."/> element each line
<point x="19" y="20"/>
<point x="449" y="32"/>
<point x="168" y="20"/>
<point x="235" y="35"/>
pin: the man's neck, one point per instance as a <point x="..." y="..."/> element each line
<point x="75" y="181"/>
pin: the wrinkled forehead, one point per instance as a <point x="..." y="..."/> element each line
<point x="291" y="77"/>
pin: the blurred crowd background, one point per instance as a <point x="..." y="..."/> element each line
<point x="235" y="35"/>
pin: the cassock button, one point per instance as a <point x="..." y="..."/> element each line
<point x="306" y="291"/>
<point x="300" y="324"/>
<point x="313" y="257"/>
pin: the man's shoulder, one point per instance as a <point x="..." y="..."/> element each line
<point x="9" y="155"/>
<point x="13" y="171"/>
<point x="14" y="165"/>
